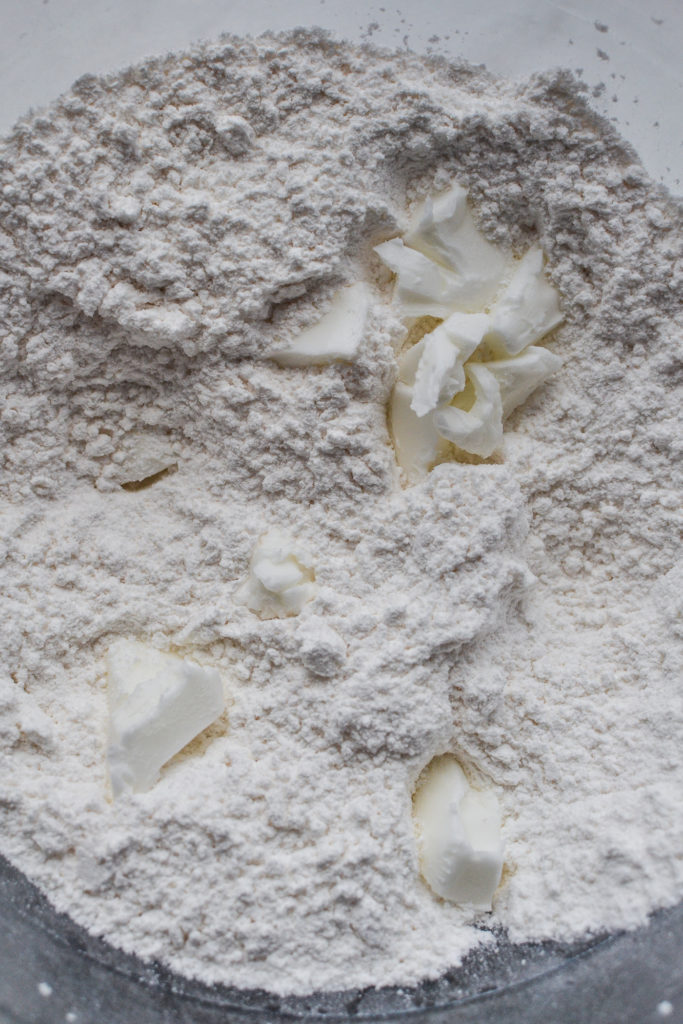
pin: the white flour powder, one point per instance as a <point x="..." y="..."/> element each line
<point x="161" y="230"/>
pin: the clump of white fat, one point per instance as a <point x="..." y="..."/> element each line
<point x="528" y="308"/>
<point x="142" y="456"/>
<point x="445" y="231"/>
<point x="440" y="373"/>
<point x="445" y="262"/>
<point x="334" y="338"/>
<point x="281" y="577"/>
<point x="459" y="835"/>
<point x="464" y="378"/>
<point x="478" y="430"/>
<point x="519" y="376"/>
<point x="417" y="442"/>
<point x="423" y="288"/>
<point x="157" y="704"/>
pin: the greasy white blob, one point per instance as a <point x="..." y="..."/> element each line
<point x="157" y="704"/>
<point x="408" y="363"/>
<point x="423" y="288"/>
<point x="529" y="307"/>
<point x="139" y="457"/>
<point x="334" y="338"/>
<point x="459" y="835"/>
<point x="281" y="577"/>
<point x="445" y="242"/>
<point x="445" y="232"/>
<point x="417" y="442"/>
<point x="440" y="373"/>
<point x="519" y="376"/>
<point x="478" y="430"/>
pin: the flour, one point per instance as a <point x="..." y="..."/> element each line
<point x="163" y="230"/>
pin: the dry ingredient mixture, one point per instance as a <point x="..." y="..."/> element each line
<point x="162" y="230"/>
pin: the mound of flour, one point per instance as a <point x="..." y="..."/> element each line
<point x="160" y="231"/>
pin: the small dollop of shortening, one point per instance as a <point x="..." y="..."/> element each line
<point x="281" y="577"/>
<point x="333" y="339"/>
<point x="157" y="704"/>
<point x="459" y="835"/>
<point x="459" y="383"/>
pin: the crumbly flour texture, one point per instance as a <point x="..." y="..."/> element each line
<point x="161" y="230"/>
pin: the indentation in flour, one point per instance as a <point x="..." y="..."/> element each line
<point x="147" y="481"/>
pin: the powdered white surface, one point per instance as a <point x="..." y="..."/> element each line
<point x="162" y="230"/>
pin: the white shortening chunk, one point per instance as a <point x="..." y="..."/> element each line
<point x="519" y="376"/>
<point x="423" y="288"/>
<point x="445" y="231"/>
<point x="440" y="373"/>
<point x="459" y="836"/>
<point x="281" y="577"/>
<point x="529" y="307"/>
<point x="142" y="456"/>
<point x="479" y="430"/>
<point x="336" y="337"/>
<point x="157" y="704"/>
<point x="461" y="380"/>
<point x="409" y="361"/>
<point x="417" y="443"/>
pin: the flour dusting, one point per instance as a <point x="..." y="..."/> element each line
<point x="162" y="231"/>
